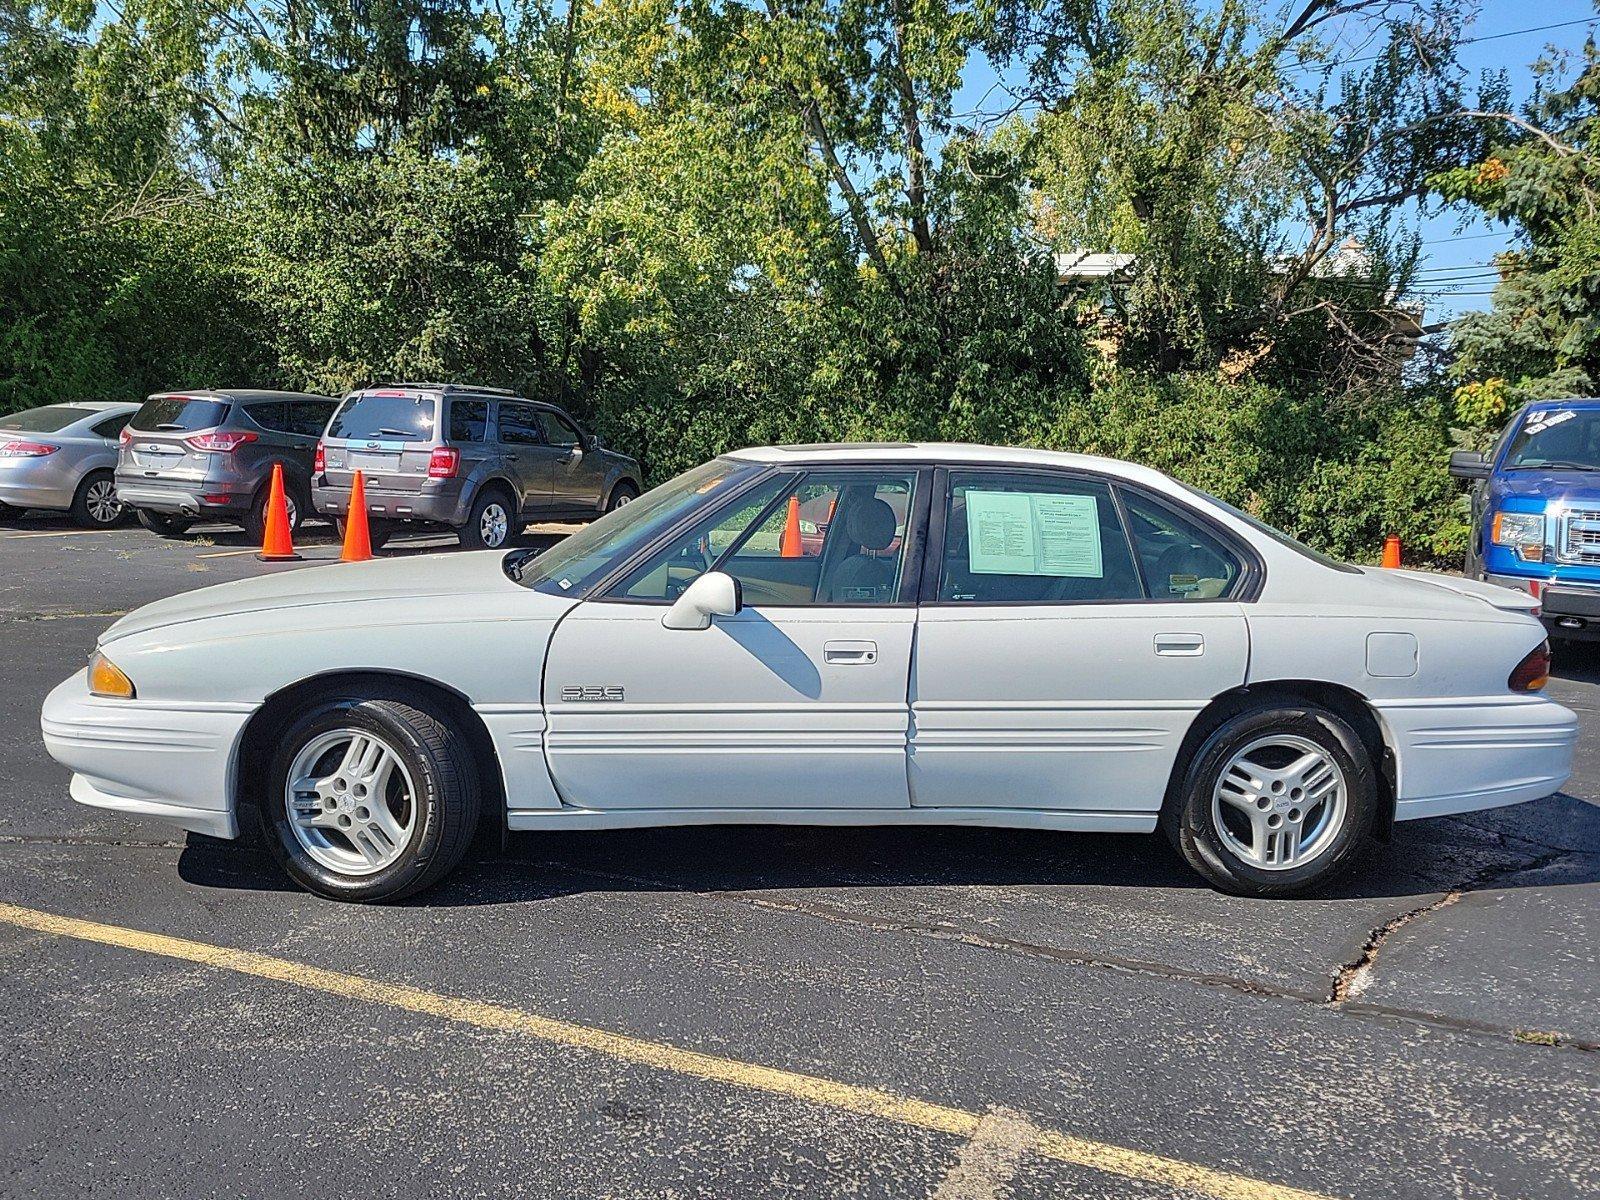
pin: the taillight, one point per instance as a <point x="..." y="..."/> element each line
<point x="18" y="448"/>
<point x="444" y="462"/>
<point x="319" y="462"/>
<point x="225" y="442"/>
<point x="126" y="436"/>
<point x="1533" y="672"/>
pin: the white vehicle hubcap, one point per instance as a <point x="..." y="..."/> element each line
<point x="101" y="499"/>
<point x="350" y="801"/>
<point x="493" y="525"/>
<point x="1279" y="803"/>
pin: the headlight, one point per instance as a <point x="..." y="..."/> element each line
<point x="1523" y="532"/>
<point x="107" y="679"/>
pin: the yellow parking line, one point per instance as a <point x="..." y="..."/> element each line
<point x="813" y="1089"/>
<point x="17" y="537"/>
<point x="228" y="553"/>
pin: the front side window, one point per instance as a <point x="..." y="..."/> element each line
<point x="825" y="538"/>
<point x="469" y="420"/>
<point x="556" y="431"/>
<point x="1033" y="539"/>
<point x="1180" y="560"/>
<point x="519" y="425"/>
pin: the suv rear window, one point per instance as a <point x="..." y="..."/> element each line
<point x="179" y="412"/>
<point x="45" y="420"/>
<point x="388" y="418"/>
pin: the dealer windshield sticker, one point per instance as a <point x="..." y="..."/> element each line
<point x="1541" y="421"/>
<point x="1182" y="585"/>
<point x="1033" y="533"/>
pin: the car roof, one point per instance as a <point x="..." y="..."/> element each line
<point x="943" y="454"/>
<point x="1569" y="402"/>
<point x="238" y="395"/>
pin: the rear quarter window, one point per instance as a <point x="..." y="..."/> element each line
<point x="469" y="420"/>
<point x="385" y="418"/>
<point x="180" y="412"/>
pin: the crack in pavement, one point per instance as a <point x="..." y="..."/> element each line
<point x="25" y="617"/>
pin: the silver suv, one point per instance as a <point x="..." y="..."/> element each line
<point x="481" y="461"/>
<point x="208" y="455"/>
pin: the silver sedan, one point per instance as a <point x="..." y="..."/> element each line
<point x="62" y="457"/>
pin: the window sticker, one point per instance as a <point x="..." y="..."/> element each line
<point x="1182" y="585"/>
<point x="1540" y="421"/>
<point x="1033" y="533"/>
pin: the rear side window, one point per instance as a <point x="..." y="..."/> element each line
<point x="45" y="420"/>
<point x="1180" y="560"/>
<point x="113" y="427"/>
<point x="309" y="417"/>
<point x="273" y="416"/>
<point x="379" y="417"/>
<point x="1034" y="539"/>
<point x="181" y="413"/>
<point x="519" y="425"/>
<point x="469" y="420"/>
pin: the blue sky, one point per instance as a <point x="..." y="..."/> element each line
<point x="1454" y="276"/>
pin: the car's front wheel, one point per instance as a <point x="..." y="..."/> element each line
<point x="1276" y="800"/>
<point x="370" y="799"/>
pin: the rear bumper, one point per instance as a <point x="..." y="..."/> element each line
<point x="1479" y="752"/>
<point x="439" y="502"/>
<point x="166" y="760"/>
<point x="181" y="499"/>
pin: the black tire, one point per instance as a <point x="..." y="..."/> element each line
<point x="7" y="512"/>
<point x="255" y="520"/>
<point x="378" y="532"/>
<point x="1189" y="815"/>
<point x="472" y="534"/>
<point x="89" y="506"/>
<point x="162" y="525"/>
<point x="440" y="763"/>
<point x="624" y="493"/>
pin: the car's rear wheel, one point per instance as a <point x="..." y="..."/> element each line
<point x="491" y="523"/>
<point x="1275" y="801"/>
<point x="623" y="493"/>
<point x="8" y="511"/>
<point x="378" y="532"/>
<point x="370" y="799"/>
<point x="95" y="505"/>
<point x="163" y="525"/>
<point x="255" y="520"/>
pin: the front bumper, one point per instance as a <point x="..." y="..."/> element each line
<point x="164" y="759"/>
<point x="1456" y="756"/>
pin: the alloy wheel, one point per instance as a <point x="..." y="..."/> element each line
<point x="350" y="801"/>
<point x="1279" y="803"/>
<point x="102" y="503"/>
<point x="493" y="525"/>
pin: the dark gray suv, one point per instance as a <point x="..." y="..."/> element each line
<point x="481" y="461"/>
<point x="208" y="455"/>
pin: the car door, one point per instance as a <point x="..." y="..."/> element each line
<point x="576" y="475"/>
<point x="1060" y="661"/>
<point x="797" y="702"/>
<point x="531" y="462"/>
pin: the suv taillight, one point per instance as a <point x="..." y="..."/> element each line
<point x="1533" y="672"/>
<point x="444" y="462"/>
<point x="225" y="442"/>
<point x="126" y="436"/>
<point x="319" y="462"/>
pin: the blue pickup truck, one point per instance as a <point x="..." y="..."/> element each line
<point x="1536" y="512"/>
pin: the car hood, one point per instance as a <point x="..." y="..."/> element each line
<point x="410" y="578"/>
<point x="1546" y="485"/>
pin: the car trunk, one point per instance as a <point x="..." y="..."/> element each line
<point x="157" y="437"/>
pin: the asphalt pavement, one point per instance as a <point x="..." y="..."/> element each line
<point x="733" y="1012"/>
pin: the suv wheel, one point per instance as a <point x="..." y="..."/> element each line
<point x="255" y="521"/>
<point x="378" y="532"/>
<point x="490" y="525"/>
<point x="1277" y="800"/>
<point x="163" y="525"/>
<point x="95" y="506"/>
<point x="370" y="799"/>
<point x="623" y="493"/>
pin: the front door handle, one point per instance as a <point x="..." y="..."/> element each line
<point x="847" y="654"/>
<point x="1180" y="645"/>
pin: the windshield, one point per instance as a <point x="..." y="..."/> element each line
<point x="1565" y="439"/>
<point x="44" y="420"/>
<point x="577" y="561"/>
<point x="376" y="416"/>
<point x="179" y="412"/>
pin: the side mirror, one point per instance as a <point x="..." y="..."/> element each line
<point x="591" y="441"/>
<point x="713" y="594"/>
<point x="1468" y="464"/>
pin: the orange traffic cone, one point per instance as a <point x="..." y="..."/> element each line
<point x="790" y="546"/>
<point x="1391" y="551"/>
<point x="357" y="536"/>
<point x="277" y="545"/>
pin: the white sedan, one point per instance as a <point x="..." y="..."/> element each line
<point x="832" y="635"/>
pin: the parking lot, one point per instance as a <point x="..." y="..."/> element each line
<point x="733" y="1012"/>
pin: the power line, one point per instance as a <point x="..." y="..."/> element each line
<point x="1488" y="37"/>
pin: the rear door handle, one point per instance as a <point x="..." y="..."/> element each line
<point x="1180" y="645"/>
<point x="846" y="654"/>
